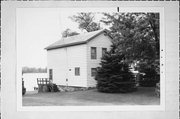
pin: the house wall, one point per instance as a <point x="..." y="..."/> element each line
<point x="56" y="60"/>
<point x="63" y="62"/>
<point x="99" y="42"/>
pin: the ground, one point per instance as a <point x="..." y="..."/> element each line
<point x="144" y="96"/>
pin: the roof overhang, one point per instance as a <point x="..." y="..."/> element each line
<point x="77" y="43"/>
<point x="66" y="45"/>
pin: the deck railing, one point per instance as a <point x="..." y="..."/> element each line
<point x="43" y="81"/>
<point x="43" y="84"/>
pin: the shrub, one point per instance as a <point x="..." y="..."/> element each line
<point x="151" y="76"/>
<point x="52" y="87"/>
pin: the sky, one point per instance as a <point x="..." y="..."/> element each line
<point x="39" y="27"/>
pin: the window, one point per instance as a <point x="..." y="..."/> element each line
<point x="77" y="71"/>
<point x="50" y="74"/>
<point x="93" y="53"/>
<point x="104" y="50"/>
<point x="93" y="71"/>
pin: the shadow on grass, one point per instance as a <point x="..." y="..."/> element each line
<point x="143" y="96"/>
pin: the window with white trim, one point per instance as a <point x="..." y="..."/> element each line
<point x="77" y="71"/>
<point x="93" y="53"/>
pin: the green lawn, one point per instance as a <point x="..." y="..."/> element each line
<point x="143" y="96"/>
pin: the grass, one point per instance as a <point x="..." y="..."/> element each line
<point x="143" y="96"/>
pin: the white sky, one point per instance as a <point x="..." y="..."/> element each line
<point x="39" y="27"/>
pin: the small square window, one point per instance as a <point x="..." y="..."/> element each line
<point x="93" y="53"/>
<point x="93" y="72"/>
<point x="77" y="71"/>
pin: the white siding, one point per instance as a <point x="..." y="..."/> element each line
<point x="57" y="61"/>
<point x="99" y="42"/>
<point x="77" y="58"/>
<point x="63" y="62"/>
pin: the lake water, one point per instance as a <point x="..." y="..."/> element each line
<point x="30" y="80"/>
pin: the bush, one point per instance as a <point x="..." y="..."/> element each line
<point x="52" y="87"/>
<point x="151" y="76"/>
<point x="148" y="83"/>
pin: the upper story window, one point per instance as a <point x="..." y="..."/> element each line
<point x="93" y="53"/>
<point x="104" y="50"/>
<point x="77" y="71"/>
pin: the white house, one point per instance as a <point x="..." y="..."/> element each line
<point x="72" y="61"/>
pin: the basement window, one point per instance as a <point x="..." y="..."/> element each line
<point x="77" y="71"/>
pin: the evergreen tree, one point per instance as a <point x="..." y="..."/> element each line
<point x="114" y="75"/>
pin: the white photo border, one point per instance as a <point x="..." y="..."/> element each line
<point x="11" y="100"/>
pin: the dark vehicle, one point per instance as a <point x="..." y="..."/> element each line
<point x="23" y="88"/>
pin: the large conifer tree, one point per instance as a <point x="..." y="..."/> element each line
<point x="114" y="75"/>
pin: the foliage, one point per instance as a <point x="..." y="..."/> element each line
<point x="148" y="82"/>
<point x="136" y="35"/>
<point x="52" y="87"/>
<point x="69" y="32"/>
<point x="85" y="21"/>
<point x="114" y="75"/>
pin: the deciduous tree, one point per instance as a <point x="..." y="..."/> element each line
<point x="69" y="32"/>
<point x="136" y="35"/>
<point x="85" y="21"/>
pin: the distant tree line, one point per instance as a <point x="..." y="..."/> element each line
<point x="34" y="70"/>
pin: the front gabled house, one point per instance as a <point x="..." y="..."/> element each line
<point x="72" y="61"/>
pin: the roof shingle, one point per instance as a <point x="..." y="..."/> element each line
<point x="75" y="40"/>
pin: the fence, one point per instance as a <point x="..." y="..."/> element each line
<point x="42" y="84"/>
<point x="43" y="81"/>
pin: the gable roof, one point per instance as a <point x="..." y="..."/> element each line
<point x="75" y="40"/>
